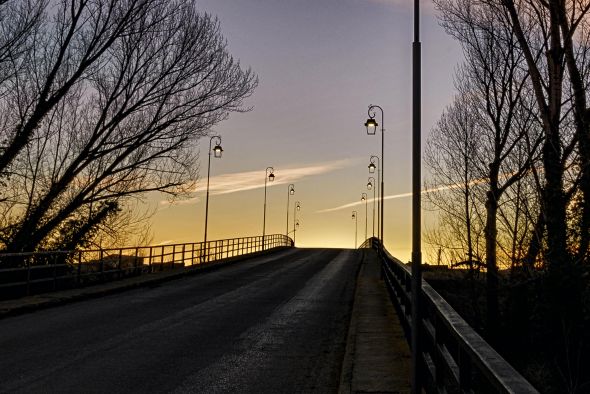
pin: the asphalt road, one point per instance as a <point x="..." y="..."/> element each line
<point x="274" y="324"/>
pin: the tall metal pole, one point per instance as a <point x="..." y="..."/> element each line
<point x="377" y="190"/>
<point x="290" y="189"/>
<point x="416" y="195"/>
<point x="382" y="177"/>
<point x="355" y="217"/>
<point x="266" y="175"/>
<point x="379" y="220"/>
<point x="218" y="139"/>
<point x="295" y="208"/>
<point x="264" y="216"/>
<point x="374" y="200"/>
<point x="372" y="116"/>
<point x="365" y="197"/>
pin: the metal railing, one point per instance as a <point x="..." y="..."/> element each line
<point x="37" y="272"/>
<point x="454" y="358"/>
<point x="369" y="242"/>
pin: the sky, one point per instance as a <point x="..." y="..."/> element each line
<point x="320" y="64"/>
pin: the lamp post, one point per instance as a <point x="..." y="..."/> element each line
<point x="354" y="217"/>
<point x="217" y="152"/>
<point x="372" y="168"/>
<point x="416" y="214"/>
<point x="371" y="125"/>
<point x="296" y="208"/>
<point x="364" y="198"/>
<point x="290" y="192"/>
<point x="270" y="176"/>
<point x="370" y="186"/>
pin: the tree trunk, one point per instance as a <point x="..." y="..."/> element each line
<point x="467" y="195"/>
<point x="535" y="246"/>
<point x="582" y="122"/>
<point x="493" y="310"/>
<point x="553" y="198"/>
<point x="553" y="205"/>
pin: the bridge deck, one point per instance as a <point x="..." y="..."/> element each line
<point x="274" y="323"/>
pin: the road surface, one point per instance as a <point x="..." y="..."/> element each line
<point x="274" y="324"/>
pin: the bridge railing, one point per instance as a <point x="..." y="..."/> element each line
<point x="23" y="274"/>
<point x="454" y="358"/>
<point x="369" y="243"/>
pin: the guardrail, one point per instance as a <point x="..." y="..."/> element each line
<point x="454" y="358"/>
<point x="37" y="272"/>
<point x="370" y="243"/>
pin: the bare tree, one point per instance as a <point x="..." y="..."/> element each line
<point x="450" y="154"/>
<point x="19" y="22"/>
<point x="67" y="47"/>
<point x="546" y="33"/>
<point x="127" y="127"/>
<point x="538" y="49"/>
<point x="494" y="78"/>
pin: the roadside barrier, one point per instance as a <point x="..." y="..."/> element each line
<point x="23" y="274"/>
<point x="453" y="358"/>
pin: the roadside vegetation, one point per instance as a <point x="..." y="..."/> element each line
<point x="514" y="150"/>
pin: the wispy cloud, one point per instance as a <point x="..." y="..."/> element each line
<point x="249" y="180"/>
<point x="405" y="195"/>
<point x="242" y="181"/>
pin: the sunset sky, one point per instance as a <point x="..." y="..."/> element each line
<point x="320" y="64"/>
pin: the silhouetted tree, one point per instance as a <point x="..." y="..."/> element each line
<point x="451" y="151"/>
<point x="110" y="108"/>
<point x="495" y="81"/>
<point x="548" y="42"/>
<point x="19" y="21"/>
<point x="553" y="37"/>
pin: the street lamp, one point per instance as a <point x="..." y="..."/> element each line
<point x="290" y="192"/>
<point x="372" y="168"/>
<point x="270" y="176"/>
<point x="370" y="187"/>
<point x="364" y="198"/>
<point x="371" y="125"/>
<point x="355" y="227"/>
<point x="296" y="208"/>
<point x="217" y="152"/>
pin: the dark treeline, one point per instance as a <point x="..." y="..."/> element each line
<point x="102" y="101"/>
<point x="515" y="148"/>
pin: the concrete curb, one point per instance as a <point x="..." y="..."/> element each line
<point x="348" y="362"/>
<point x="48" y="300"/>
